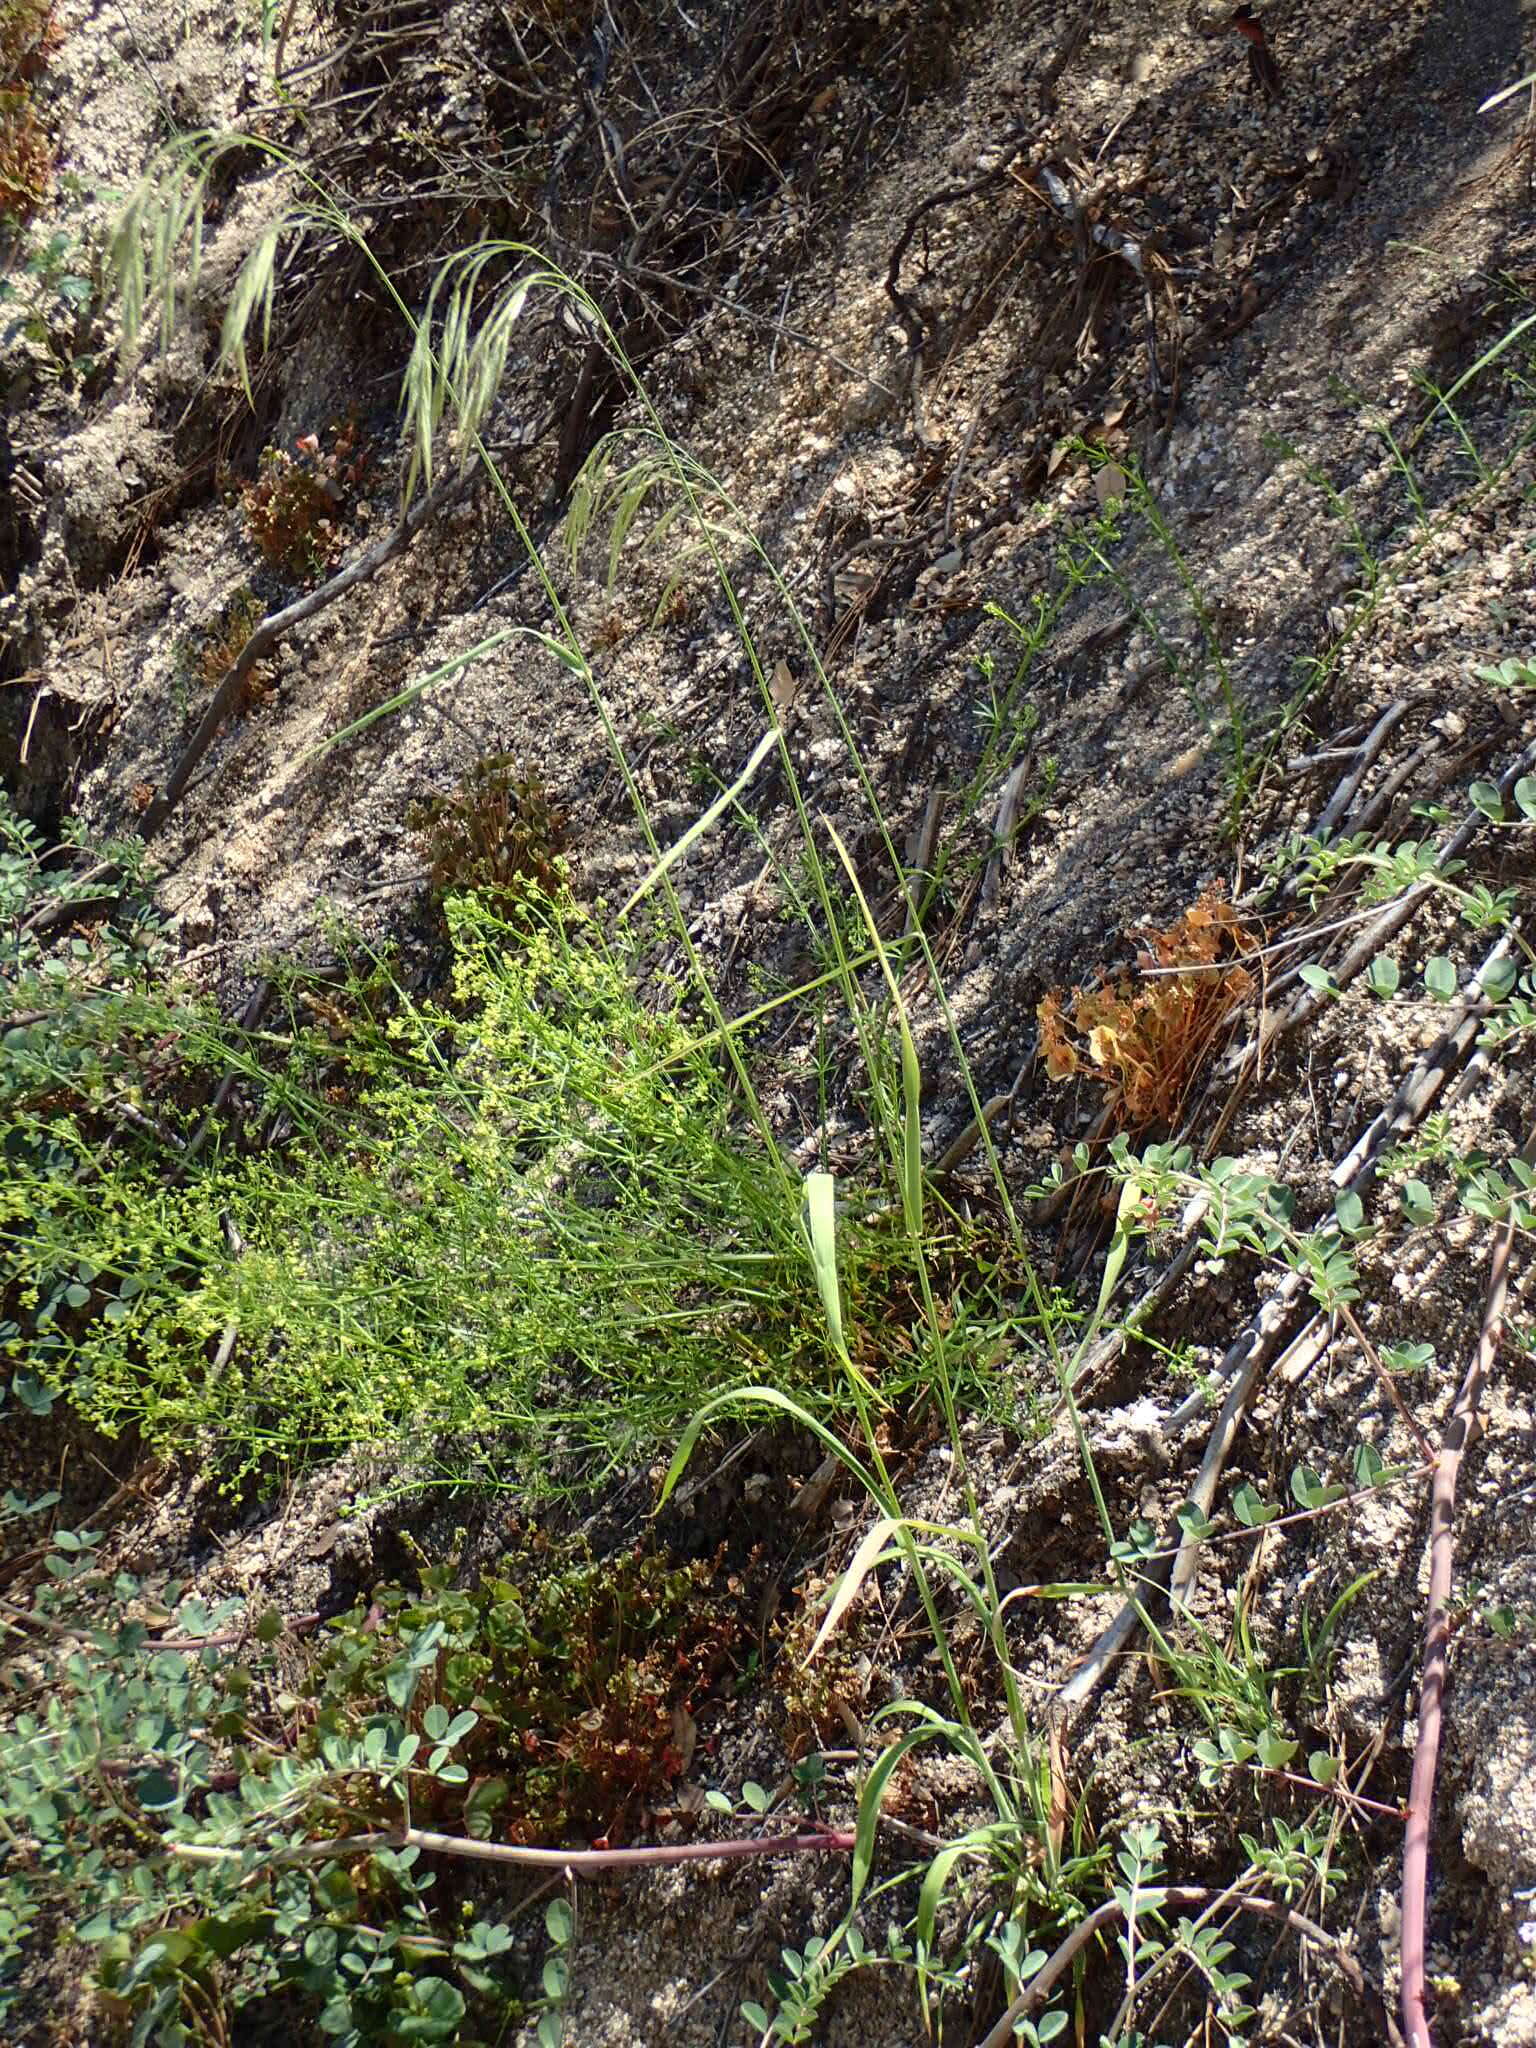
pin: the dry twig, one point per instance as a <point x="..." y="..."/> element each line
<point x="1039" y="1987"/>
<point x="273" y="628"/>
<point x="1459" y="1433"/>
<point x="1275" y="1320"/>
<point x="822" y="1841"/>
<point x="1349" y="788"/>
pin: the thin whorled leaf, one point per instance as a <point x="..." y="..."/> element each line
<point x="701" y="825"/>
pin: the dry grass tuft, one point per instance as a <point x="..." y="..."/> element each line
<point x="1145" y="1036"/>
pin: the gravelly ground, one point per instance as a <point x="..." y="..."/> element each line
<point x="1320" y="252"/>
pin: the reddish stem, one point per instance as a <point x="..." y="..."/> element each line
<point x="1437" y="1631"/>
<point x="820" y="1840"/>
<point x="294" y="1625"/>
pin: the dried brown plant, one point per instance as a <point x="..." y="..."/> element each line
<point x="1146" y="1035"/>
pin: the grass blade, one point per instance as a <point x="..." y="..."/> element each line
<point x="821" y="1232"/>
<point x="821" y="1229"/>
<point x="423" y="683"/>
<point x="739" y="1398"/>
<point x="702" y="824"/>
<point x="909" y="1163"/>
<point x="870" y="1555"/>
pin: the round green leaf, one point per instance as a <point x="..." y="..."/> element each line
<point x="320" y="1945"/>
<point x="1498" y="979"/>
<point x="1384" y="975"/>
<point x="1250" y="1509"/>
<point x="32" y="1394"/>
<point x="156" y="1791"/>
<point x="1368" y="1465"/>
<point x="559" y="1921"/>
<point x="440" y="2002"/>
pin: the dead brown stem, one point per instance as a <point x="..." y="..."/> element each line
<point x="272" y="629"/>
<point x="232" y="687"/>
<point x="1040" y="1985"/>
<point x="819" y="1840"/>
<point x="1459" y="1433"/>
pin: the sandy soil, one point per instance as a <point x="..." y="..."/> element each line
<point x="1315" y="255"/>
